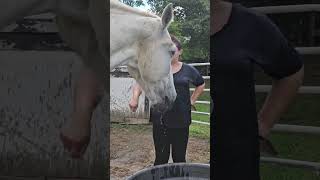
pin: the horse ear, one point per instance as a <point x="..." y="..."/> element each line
<point x="167" y="15"/>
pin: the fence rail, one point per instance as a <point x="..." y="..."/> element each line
<point x="205" y="90"/>
<point x="200" y="64"/>
<point x="199" y="112"/>
<point x="288" y="8"/>
<point x="302" y="90"/>
<point x="308" y="50"/>
<point x="296" y="129"/>
<point x="289" y="128"/>
<point x="200" y="122"/>
<point x="206" y="77"/>
<point x="191" y="64"/>
<point x="203" y="102"/>
<point x="292" y="163"/>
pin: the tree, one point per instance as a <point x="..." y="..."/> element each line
<point x="133" y="3"/>
<point x="191" y="25"/>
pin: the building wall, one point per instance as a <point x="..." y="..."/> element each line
<point x="120" y="95"/>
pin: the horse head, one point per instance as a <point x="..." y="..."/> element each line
<point x="152" y="69"/>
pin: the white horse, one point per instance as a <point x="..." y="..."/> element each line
<point x="141" y="41"/>
<point x="137" y="39"/>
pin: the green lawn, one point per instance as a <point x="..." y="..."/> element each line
<point x="201" y="130"/>
<point x="270" y="172"/>
<point x="304" y="111"/>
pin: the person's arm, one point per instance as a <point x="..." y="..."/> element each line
<point x="279" y="59"/>
<point x="281" y="95"/>
<point x="196" y="93"/>
<point x="198" y="81"/>
<point x="136" y="92"/>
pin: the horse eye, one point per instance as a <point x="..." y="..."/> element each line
<point x="172" y="52"/>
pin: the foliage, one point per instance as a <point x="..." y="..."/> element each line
<point x="133" y="3"/>
<point x="191" y="25"/>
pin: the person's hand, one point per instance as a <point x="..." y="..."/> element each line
<point x="133" y="104"/>
<point x="266" y="147"/>
<point x="263" y="129"/>
<point x="193" y="102"/>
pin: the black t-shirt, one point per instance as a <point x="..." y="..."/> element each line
<point x="180" y="114"/>
<point x="247" y="39"/>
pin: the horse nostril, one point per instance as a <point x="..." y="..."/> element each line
<point x="166" y="99"/>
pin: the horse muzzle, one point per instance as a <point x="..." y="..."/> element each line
<point x="165" y="105"/>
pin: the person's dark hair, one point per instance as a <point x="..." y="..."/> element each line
<point x="176" y="42"/>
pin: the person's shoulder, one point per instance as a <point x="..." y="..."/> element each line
<point x="259" y="21"/>
<point x="187" y="66"/>
<point x="252" y="14"/>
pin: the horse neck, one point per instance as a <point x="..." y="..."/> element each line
<point x="121" y="7"/>
<point x="127" y="31"/>
<point x="131" y="21"/>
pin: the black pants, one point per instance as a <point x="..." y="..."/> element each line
<point x="176" y="137"/>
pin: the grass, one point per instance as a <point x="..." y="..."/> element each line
<point x="304" y="111"/>
<point x="271" y="172"/>
<point x="201" y="130"/>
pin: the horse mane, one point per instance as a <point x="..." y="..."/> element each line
<point x="115" y="4"/>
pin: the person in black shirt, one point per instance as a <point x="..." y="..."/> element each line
<point x="241" y="38"/>
<point x="172" y="128"/>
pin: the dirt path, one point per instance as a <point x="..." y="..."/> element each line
<point x="132" y="150"/>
